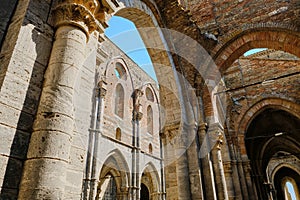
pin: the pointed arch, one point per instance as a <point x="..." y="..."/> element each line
<point x="115" y="166"/>
<point x="150" y="178"/>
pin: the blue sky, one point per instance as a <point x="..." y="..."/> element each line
<point x="124" y="34"/>
<point x="252" y="51"/>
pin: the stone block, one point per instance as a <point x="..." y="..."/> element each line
<point x="14" y="142"/>
<point x="51" y="144"/>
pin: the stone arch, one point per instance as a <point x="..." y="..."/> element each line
<point x="255" y="109"/>
<point x="282" y="176"/>
<point x="146" y="17"/>
<point x="150" y="178"/>
<point x="110" y="67"/>
<point x="281" y="165"/>
<point x="267" y="128"/>
<point x="235" y="44"/>
<point x="112" y="82"/>
<point x="116" y="165"/>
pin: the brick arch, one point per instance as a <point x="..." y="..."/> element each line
<point x="255" y="37"/>
<point x="148" y="22"/>
<point x="260" y="106"/>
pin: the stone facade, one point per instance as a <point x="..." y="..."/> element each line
<point x="75" y="111"/>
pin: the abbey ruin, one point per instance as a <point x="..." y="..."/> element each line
<point x="80" y="120"/>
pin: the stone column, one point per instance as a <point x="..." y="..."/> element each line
<point x="137" y="116"/>
<point x="183" y="180"/>
<point x="220" y="180"/>
<point x="209" y="189"/>
<point x="194" y="162"/>
<point x="44" y="175"/>
<point x="94" y="179"/>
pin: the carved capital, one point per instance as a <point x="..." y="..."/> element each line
<point x="88" y="15"/>
<point x="102" y="87"/>
<point x="219" y="141"/>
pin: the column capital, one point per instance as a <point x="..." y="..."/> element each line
<point x="219" y="141"/>
<point x="102" y="88"/>
<point x="88" y="15"/>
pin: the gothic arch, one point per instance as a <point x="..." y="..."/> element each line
<point x="281" y="165"/>
<point x="267" y="128"/>
<point x="116" y="165"/>
<point x="236" y="43"/>
<point x="258" y="107"/>
<point x="150" y="178"/>
<point x="145" y="15"/>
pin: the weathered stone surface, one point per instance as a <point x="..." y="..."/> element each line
<point x="72" y="146"/>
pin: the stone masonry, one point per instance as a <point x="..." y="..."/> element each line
<point x="80" y="120"/>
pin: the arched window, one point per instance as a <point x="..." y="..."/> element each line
<point x="149" y="94"/>
<point x="290" y="189"/>
<point x="119" y="101"/>
<point x="149" y="120"/>
<point x="120" y="71"/>
<point x="118" y="134"/>
<point x="150" y="148"/>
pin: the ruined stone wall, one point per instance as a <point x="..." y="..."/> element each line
<point x="221" y="17"/>
<point x="136" y="79"/>
<point x="265" y="75"/>
<point x="24" y="56"/>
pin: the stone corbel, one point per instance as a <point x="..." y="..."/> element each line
<point x="102" y="86"/>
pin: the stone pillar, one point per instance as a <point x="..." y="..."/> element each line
<point x="194" y="163"/>
<point x="94" y="179"/>
<point x="220" y="180"/>
<point x="184" y="192"/>
<point x="209" y="189"/>
<point x="45" y="169"/>
<point x="137" y="116"/>
<point x="235" y="174"/>
<point x="247" y="170"/>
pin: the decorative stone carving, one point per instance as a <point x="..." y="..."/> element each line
<point x="102" y="88"/>
<point x="88" y="15"/>
<point x="137" y="107"/>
